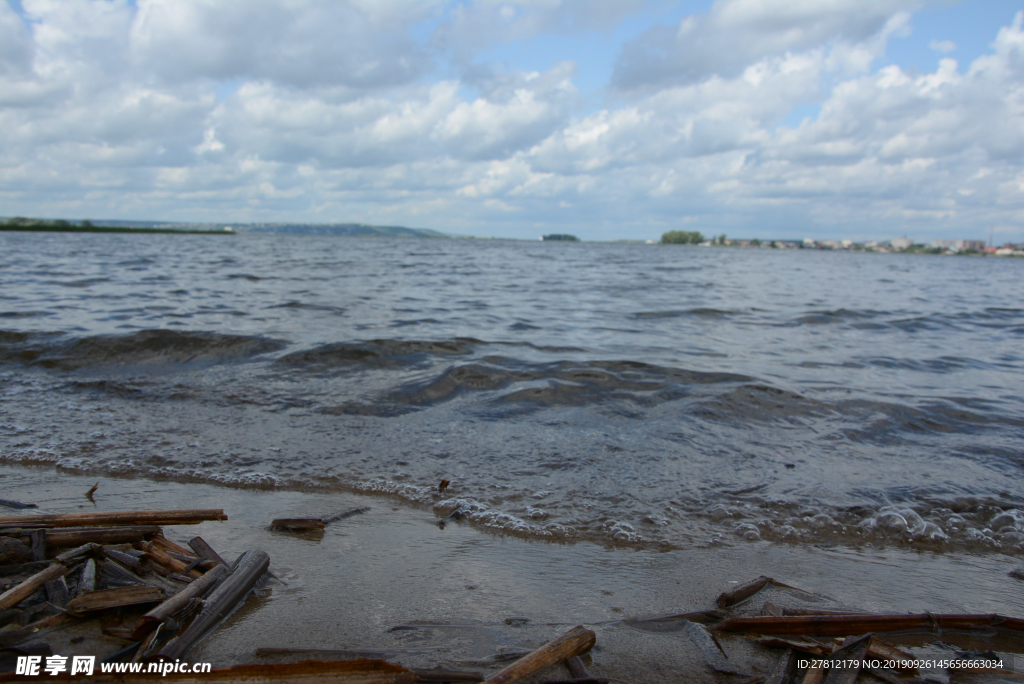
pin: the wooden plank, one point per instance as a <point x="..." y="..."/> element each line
<point x="574" y="642"/>
<point x="22" y="591"/>
<point x="101" y="535"/>
<point x="98" y="519"/>
<point x="114" y="598"/>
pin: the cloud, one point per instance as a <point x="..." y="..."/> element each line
<point x="943" y="46"/>
<point x="737" y="33"/>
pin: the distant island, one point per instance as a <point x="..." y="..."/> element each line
<point x="19" y="223"/>
<point x="61" y="226"/>
<point x="560" y="237"/>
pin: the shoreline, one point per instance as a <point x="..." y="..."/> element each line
<point x="456" y="590"/>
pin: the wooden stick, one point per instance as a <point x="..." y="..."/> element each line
<point x="175" y="603"/>
<point x="346" y="514"/>
<point x="57" y="592"/>
<point x="841" y="625"/>
<point x="742" y="592"/>
<point x="577" y="640"/>
<point x="114" y="598"/>
<point x="232" y="591"/>
<point x="102" y="535"/>
<point x="183" y="517"/>
<point x="22" y="591"/>
<point x="705" y="617"/>
<point x="164" y="559"/>
<point x="38" y="542"/>
<point x="206" y="551"/>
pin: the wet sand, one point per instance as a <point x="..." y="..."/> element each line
<point x="348" y="587"/>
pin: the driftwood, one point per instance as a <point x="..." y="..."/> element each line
<point x="709" y="649"/>
<point x="173" y="564"/>
<point x="745" y="591"/>
<point x="113" y="573"/>
<point x="249" y="568"/>
<point x="37" y="540"/>
<point x="114" y="598"/>
<point x="82" y="550"/>
<point x="705" y="617"/>
<point x="577" y="640"/>
<point x="127" y="560"/>
<point x="852" y="655"/>
<point x="102" y="535"/>
<point x="183" y="517"/>
<point x="87" y="582"/>
<point x="297" y="524"/>
<point x="23" y="590"/>
<point x="172" y="548"/>
<point x="16" y="504"/>
<point x="196" y="589"/>
<point x="841" y="625"/>
<point x="57" y="592"/>
<point x="204" y="550"/>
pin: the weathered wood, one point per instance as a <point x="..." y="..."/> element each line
<point x="742" y="592"/>
<point x="101" y="535"/>
<point x="577" y="640"/>
<point x="32" y="631"/>
<point x="172" y="548"/>
<point x="705" y="617"/>
<point x="124" y="559"/>
<point x="297" y="524"/>
<point x="206" y="551"/>
<point x="181" y="517"/>
<point x="709" y="649"/>
<point x="57" y="592"/>
<point x="814" y="674"/>
<point x="196" y="589"/>
<point x="853" y="655"/>
<point x="114" y="574"/>
<point x="173" y="564"/>
<point x="16" y="504"/>
<point x="114" y="598"/>
<point x="38" y="542"/>
<point x="841" y="625"/>
<point x="87" y="582"/>
<point x="23" y="590"/>
<point x="83" y="550"/>
<point x="231" y="592"/>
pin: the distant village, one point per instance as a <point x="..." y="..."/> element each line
<point x="905" y="245"/>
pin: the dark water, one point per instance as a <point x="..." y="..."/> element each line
<point x="628" y="394"/>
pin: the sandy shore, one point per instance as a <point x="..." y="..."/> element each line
<point x="349" y="587"/>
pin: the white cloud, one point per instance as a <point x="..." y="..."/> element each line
<point x="943" y="46"/>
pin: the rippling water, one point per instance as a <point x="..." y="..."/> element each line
<point x="630" y="394"/>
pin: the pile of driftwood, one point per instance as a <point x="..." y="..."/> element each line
<point x="58" y="570"/>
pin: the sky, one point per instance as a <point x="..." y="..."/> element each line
<point x="859" y="119"/>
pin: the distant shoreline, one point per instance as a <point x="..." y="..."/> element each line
<point x="107" y="229"/>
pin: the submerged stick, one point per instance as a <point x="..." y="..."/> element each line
<point x="16" y="504"/>
<point x="297" y="524"/>
<point x="182" y="517"/>
<point x="22" y="591"/>
<point x="346" y="514"/>
<point x="576" y="667"/>
<point x="175" y="603"/>
<point x="232" y="591"/>
<point x="577" y="640"/>
<point x="745" y="591"/>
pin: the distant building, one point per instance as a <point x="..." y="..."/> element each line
<point x="900" y="243"/>
<point x="959" y="245"/>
